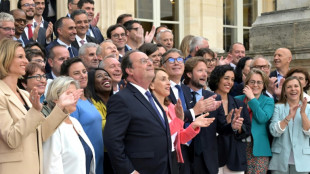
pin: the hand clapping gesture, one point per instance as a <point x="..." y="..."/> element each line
<point x="237" y="120"/>
<point x="35" y="99"/>
<point x="202" y="121"/>
<point x="68" y="98"/>
<point x="207" y="105"/>
<point x="179" y="110"/>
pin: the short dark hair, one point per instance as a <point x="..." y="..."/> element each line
<point x="112" y="28"/>
<point x="120" y="18"/>
<point x="128" y="24"/>
<point x="59" y="24"/>
<point x="190" y="64"/>
<point x="30" y="53"/>
<point x="64" y="70"/>
<point x="148" y="48"/>
<point x="217" y="74"/>
<point x="51" y="54"/>
<point x="203" y="51"/>
<point x="300" y="70"/>
<point x="82" y="2"/>
<point x="31" y="44"/>
<point x="19" y="4"/>
<point x="78" y="12"/>
<point x="239" y="68"/>
<point x="126" y="62"/>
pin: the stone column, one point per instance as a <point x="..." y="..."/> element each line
<point x="288" y="27"/>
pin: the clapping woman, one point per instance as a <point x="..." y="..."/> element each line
<point x="160" y="88"/>
<point x="22" y="126"/>
<point x="260" y="108"/>
<point x="290" y="127"/>
<point x="231" y="148"/>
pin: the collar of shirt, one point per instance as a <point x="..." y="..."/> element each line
<point x="20" y="38"/>
<point x="41" y="24"/>
<point x="78" y="39"/>
<point x="53" y="75"/>
<point x="198" y="94"/>
<point x="140" y="89"/>
<point x="62" y="43"/>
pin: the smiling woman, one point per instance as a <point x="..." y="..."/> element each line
<point x="22" y="126"/>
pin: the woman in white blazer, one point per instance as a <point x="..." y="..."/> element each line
<point x="290" y="126"/>
<point x="68" y="150"/>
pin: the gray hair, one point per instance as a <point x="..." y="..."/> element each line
<point x="102" y="64"/>
<point x="57" y="87"/>
<point x="162" y="31"/>
<point x="257" y="57"/>
<point x="196" y="41"/>
<point x="6" y="17"/>
<point x="82" y="50"/>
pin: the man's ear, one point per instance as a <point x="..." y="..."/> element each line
<point x="50" y="61"/>
<point x="189" y="74"/>
<point x="129" y="71"/>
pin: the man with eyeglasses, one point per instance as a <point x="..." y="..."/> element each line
<point x="7" y="28"/>
<point x="173" y="62"/>
<point x="134" y="32"/>
<point x="20" y="23"/>
<point x="117" y="33"/>
<point x="137" y="135"/>
<point x="33" y="32"/>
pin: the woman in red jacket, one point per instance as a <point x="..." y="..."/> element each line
<point x="160" y="88"/>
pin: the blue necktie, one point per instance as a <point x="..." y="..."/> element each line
<point x="181" y="97"/>
<point x="151" y="100"/>
<point x="70" y="52"/>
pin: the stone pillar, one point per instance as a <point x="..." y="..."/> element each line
<point x="288" y="27"/>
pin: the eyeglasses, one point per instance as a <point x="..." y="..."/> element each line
<point x="29" y="5"/>
<point x="252" y="82"/>
<point x="264" y="67"/>
<point x="119" y="35"/>
<point x="7" y="29"/>
<point x="211" y="60"/>
<point x="174" y="60"/>
<point x="20" y="20"/>
<point x="38" y="61"/>
<point x="38" y="77"/>
<point x="144" y="60"/>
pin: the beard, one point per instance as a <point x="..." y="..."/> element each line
<point x="196" y="83"/>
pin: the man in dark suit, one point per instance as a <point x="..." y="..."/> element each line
<point x="94" y="31"/>
<point x="72" y="6"/>
<point x="20" y="23"/>
<point x="33" y="32"/>
<point x="173" y="62"/>
<point x="204" y="146"/>
<point x="81" y="22"/>
<point x="57" y="55"/>
<point x="137" y="134"/>
<point x="281" y="59"/>
<point x="65" y="30"/>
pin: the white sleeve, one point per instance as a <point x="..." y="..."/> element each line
<point x="52" y="154"/>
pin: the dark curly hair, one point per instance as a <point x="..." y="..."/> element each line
<point x="239" y="68"/>
<point x="217" y="74"/>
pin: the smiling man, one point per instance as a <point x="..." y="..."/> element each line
<point x="117" y="33"/>
<point x="236" y="51"/>
<point x="82" y="25"/>
<point x="7" y="28"/>
<point x="281" y="59"/>
<point x="88" y="55"/>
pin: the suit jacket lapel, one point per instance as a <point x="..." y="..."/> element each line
<point x="172" y="97"/>
<point x="146" y="103"/>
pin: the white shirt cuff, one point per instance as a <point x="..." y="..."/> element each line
<point x="278" y="128"/>
<point x="192" y="113"/>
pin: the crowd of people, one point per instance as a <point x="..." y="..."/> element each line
<point x="72" y="101"/>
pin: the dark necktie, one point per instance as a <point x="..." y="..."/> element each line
<point x="151" y="100"/>
<point x="194" y="98"/>
<point x="181" y="96"/>
<point x="70" y="52"/>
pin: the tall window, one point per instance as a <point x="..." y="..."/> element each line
<point x="161" y="12"/>
<point x="239" y="15"/>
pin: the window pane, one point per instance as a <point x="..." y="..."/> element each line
<point x="249" y="12"/>
<point x="246" y="39"/>
<point x="169" y="10"/>
<point x="230" y="37"/>
<point x="144" y="9"/>
<point x="229" y="10"/>
<point x="175" y="31"/>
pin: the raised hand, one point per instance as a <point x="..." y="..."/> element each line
<point x="95" y="20"/>
<point x="272" y="85"/>
<point x="36" y="32"/>
<point x="49" y="31"/>
<point x="237" y="120"/>
<point x="247" y="90"/>
<point x="68" y="98"/>
<point x="179" y="110"/>
<point x="202" y="121"/>
<point x="228" y="117"/>
<point x="292" y="112"/>
<point x="149" y="35"/>
<point x="226" y="61"/>
<point x="35" y="99"/>
<point x="304" y="105"/>
<point x="278" y="88"/>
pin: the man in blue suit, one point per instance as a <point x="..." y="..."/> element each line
<point x="136" y="134"/>
<point x="65" y="32"/>
<point x="93" y="31"/>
